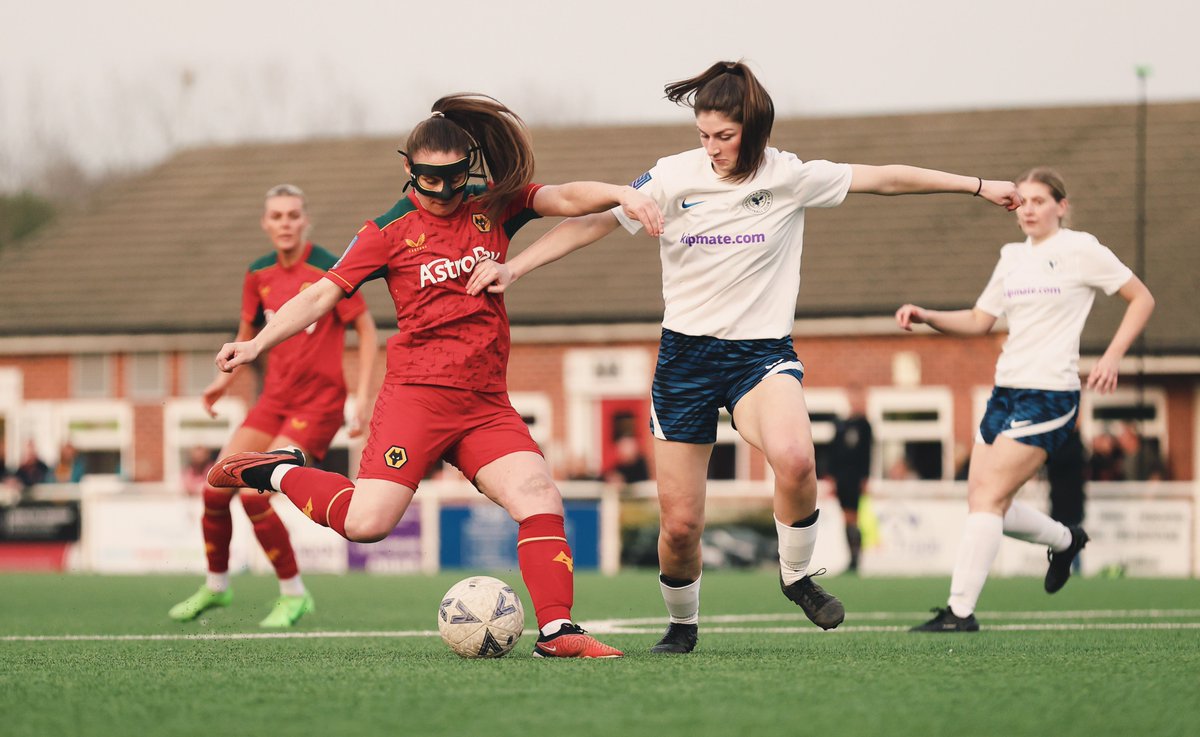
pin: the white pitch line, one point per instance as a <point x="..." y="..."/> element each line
<point x="653" y="626"/>
<point x="217" y="636"/>
<point x="812" y="630"/>
<point x="884" y="616"/>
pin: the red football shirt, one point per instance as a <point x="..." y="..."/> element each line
<point x="447" y="337"/>
<point x="306" y="369"/>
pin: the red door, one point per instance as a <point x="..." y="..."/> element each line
<point x="623" y="418"/>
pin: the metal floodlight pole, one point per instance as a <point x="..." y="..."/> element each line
<point x="1143" y="73"/>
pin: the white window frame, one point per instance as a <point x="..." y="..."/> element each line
<point x="826" y="401"/>
<point x="210" y="432"/>
<point x="56" y="417"/>
<point x="591" y="375"/>
<point x="881" y="400"/>
<point x="1155" y="396"/>
<point x="979" y="399"/>
<point x="538" y="406"/>
<point x="11" y="396"/>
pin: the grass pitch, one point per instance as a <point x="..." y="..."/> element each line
<point x="91" y="655"/>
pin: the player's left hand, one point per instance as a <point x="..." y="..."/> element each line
<point x="1103" y="376"/>
<point x="644" y="209"/>
<point x="1001" y="193"/>
<point x="491" y="274"/>
<point x="233" y="355"/>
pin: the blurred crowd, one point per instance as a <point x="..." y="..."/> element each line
<point x="32" y="470"/>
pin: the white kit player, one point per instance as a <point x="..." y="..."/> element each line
<point x="731" y="248"/>
<point x="1045" y="286"/>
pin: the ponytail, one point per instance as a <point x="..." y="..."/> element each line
<point x="466" y="122"/>
<point x="731" y="89"/>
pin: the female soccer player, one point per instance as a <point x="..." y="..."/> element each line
<point x="302" y="402"/>
<point x="1046" y="286"/>
<point x="445" y="392"/>
<point x="731" y="274"/>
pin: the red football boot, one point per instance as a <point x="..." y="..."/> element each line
<point x="572" y="641"/>
<point x="251" y="470"/>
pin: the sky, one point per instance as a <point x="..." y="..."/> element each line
<point x="119" y="85"/>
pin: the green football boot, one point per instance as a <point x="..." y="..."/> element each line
<point x="288" y="610"/>
<point x="198" y="603"/>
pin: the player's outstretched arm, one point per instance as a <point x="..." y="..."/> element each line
<point x="296" y="314"/>
<point x="894" y="179"/>
<point x="569" y="235"/>
<point x="1103" y="376"/>
<point x="584" y="198"/>
<point x="954" y="322"/>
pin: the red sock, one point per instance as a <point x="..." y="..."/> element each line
<point x="271" y="533"/>
<point x="323" y="496"/>
<point x="217" y="526"/>
<point x="547" y="566"/>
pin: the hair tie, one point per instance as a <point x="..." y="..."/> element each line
<point x="437" y="114"/>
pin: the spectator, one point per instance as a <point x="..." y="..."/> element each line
<point x="71" y="466"/>
<point x="1065" y="471"/>
<point x="1139" y="460"/>
<point x="630" y="466"/>
<point x="195" y="473"/>
<point x="1105" y="463"/>
<point x="850" y="465"/>
<point x="32" y="469"/>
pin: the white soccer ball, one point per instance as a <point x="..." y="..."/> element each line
<point x="481" y="617"/>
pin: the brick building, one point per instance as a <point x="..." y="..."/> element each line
<point x="109" y="320"/>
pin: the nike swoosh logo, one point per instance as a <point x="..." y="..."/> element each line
<point x="1021" y="423"/>
<point x="548" y="648"/>
<point x="687" y="204"/>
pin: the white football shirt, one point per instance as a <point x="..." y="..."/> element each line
<point x="731" y="252"/>
<point x="1047" y="291"/>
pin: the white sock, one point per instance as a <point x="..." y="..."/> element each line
<point x="291" y="586"/>
<point x="683" y="603"/>
<point x="553" y="626"/>
<point x="796" y="546"/>
<point x="217" y="582"/>
<point x="1026" y="523"/>
<point x="278" y="474"/>
<point x="980" y="542"/>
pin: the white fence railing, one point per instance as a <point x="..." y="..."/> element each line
<point x="912" y="528"/>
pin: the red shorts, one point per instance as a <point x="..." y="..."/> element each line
<point x="314" y="432"/>
<point x="415" y="425"/>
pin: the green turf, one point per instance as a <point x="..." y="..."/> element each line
<point x="1080" y="682"/>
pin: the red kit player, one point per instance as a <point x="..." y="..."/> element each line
<point x="445" y="394"/>
<point x="302" y="404"/>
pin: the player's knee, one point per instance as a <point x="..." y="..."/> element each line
<point x="793" y="463"/>
<point x="682" y="533"/>
<point x="368" y="530"/>
<point x="985" y="497"/>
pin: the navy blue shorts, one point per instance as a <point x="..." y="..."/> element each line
<point x="697" y="375"/>
<point x="1043" y="419"/>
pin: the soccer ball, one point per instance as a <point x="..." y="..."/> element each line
<point x="481" y="617"/>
